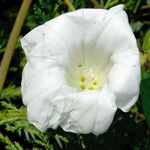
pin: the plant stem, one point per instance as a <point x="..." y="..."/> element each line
<point x="136" y="6"/>
<point x="12" y="41"/>
<point x="96" y="4"/>
<point x="70" y="5"/>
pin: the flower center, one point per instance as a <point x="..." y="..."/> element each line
<point x="87" y="71"/>
<point x="86" y="78"/>
<point x="89" y="81"/>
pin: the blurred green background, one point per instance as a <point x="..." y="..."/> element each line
<point x="129" y="131"/>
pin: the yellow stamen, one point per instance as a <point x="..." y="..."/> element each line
<point x="83" y="86"/>
<point x="82" y="78"/>
<point x="94" y="82"/>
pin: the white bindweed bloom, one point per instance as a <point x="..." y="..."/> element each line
<point x="81" y="67"/>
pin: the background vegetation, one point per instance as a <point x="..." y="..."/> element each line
<point x="129" y="131"/>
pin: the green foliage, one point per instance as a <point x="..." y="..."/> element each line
<point x="10" y="145"/>
<point x="128" y="131"/>
<point x="11" y="92"/>
<point x="145" y="86"/>
<point x="146" y="41"/>
<point x="145" y="94"/>
<point x="44" y="11"/>
<point x="16" y="120"/>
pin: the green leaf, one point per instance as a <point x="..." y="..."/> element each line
<point x="11" y="92"/>
<point x="9" y="144"/>
<point x="146" y="43"/>
<point x="145" y="95"/>
<point x="145" y="74"/>
<point x="136" y="26"/>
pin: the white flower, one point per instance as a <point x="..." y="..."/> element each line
<point x="80" y="67"/>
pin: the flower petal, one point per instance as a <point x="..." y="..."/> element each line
<point x="31" y="41"/>
<point x="124" y="82"/>
<point x="85" y="112"/>
<point x="117" y="35"/>
<point x="40" y="75"/>
<point x="106" y="103"/>
<point x="85" y="25"/>
<point x="38" y="111"/>
<point x="42" y="111"/>
<point x="73" y="33"/>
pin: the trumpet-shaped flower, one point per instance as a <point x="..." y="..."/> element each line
<point x="81" y="67"/>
